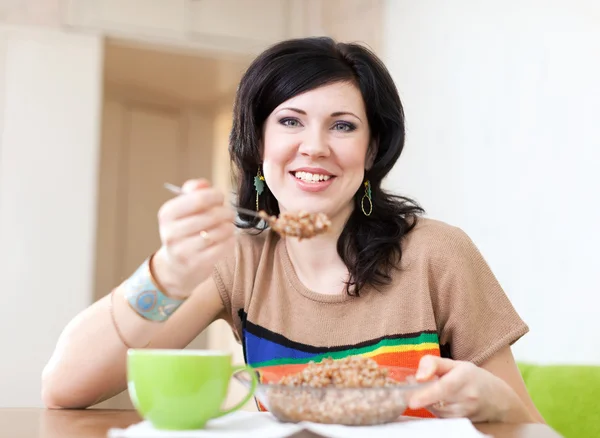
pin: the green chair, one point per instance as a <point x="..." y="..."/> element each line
<point x="567" y="396"/>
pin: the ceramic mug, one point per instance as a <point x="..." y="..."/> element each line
<point x="182" y="389"/>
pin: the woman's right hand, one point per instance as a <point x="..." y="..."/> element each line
<point x="77" y="375"/>
<point x="196" y="231"/>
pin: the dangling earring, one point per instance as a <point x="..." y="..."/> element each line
<point x="259" y="185"/>
<point x="367" y="196"/>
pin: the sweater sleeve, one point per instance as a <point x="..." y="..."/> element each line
<point x="474" y="316"/>
<point x="234" y="277"/>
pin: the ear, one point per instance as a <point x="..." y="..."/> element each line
<point x="371" y="154"/>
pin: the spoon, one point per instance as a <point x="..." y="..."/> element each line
<point x="177" y="190"/>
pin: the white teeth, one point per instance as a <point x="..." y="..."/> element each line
<point x="311" y="177"/>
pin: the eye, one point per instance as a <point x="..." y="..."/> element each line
<point x="344" y="127"/>
<point x="290" y="122"/>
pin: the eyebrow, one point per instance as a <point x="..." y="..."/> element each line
<point x="335" y="114"/>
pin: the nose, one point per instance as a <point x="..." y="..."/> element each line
<point x="314" y="144"/>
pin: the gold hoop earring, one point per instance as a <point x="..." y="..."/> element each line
<point x="367" y="196"/>
<point x="259" y="185"/>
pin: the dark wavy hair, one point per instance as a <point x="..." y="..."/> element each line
<point x="369" y="246"/>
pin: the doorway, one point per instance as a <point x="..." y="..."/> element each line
<point x="166" y="117"/>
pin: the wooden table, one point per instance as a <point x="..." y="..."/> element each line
<point x="94" y="423"/>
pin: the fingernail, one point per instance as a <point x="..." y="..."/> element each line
<point x="423" y="373"/>
<point x="188" y="187"/>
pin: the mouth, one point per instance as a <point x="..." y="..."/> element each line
<point x="310" y="177"/>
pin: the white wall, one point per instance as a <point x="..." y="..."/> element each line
<point x="503" y="112"/>
<point x="50" y="96"/>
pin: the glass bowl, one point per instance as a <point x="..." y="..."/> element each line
<point x="356" y="406"/>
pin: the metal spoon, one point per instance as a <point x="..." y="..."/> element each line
<point x="295" y="228"/>
<point x="177" y="190"/>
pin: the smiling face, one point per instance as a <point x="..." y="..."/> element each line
<point x="315" y="148"/>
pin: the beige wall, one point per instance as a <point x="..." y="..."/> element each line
<point x="51" y="91"/>
<point x="46" y="13"/>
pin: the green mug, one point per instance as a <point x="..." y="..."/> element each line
<point x="182" y="389"/>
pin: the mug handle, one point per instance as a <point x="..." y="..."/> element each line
<point x="248" y="396"/>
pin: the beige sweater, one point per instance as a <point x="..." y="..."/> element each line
<point x="444" y="300"/>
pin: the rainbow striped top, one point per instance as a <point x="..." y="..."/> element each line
<point x="443" y="300"/>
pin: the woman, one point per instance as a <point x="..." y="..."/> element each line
<point x="317" y="126"/>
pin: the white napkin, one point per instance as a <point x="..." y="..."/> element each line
<point x="264" y="425"/>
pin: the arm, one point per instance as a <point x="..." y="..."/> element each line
<point x="520" y="405"/>
<point x="89" y="362"/>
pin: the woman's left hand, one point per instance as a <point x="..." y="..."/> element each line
<point x="462" y="390"/>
